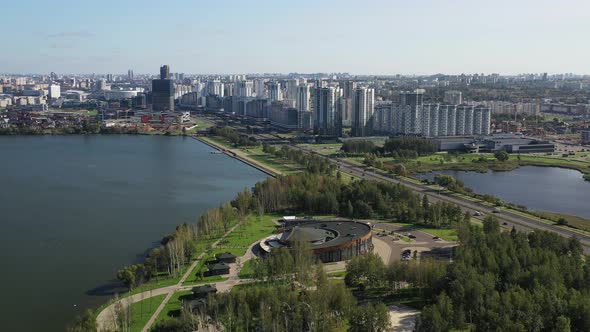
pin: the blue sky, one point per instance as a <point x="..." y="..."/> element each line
<point x="360" y="37"/>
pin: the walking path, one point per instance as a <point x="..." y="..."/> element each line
<point x="106" y="319"/>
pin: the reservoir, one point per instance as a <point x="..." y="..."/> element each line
<point x="538" y="188"/>
<point x="75" y="209"/>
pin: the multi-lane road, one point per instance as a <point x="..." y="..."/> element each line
<point x="507" y="218"/>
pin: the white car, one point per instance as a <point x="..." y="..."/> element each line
<point x="477" y="214"/>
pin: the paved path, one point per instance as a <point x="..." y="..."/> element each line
<point x="510" y="217"/>
<point x="402" y="318"/>
<point x="106" y="318"/>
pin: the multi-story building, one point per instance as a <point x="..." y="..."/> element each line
<point x="54" y="91"/>
<point x="363" y="107"/>
<point x="215" y="88"/>
<point x="243" y="88"/>
<point x="327" y="119"/>
<point x="453" y="97"/>
<point x="468" y="120"/>
<point x="163" y="91"/>
<point x="259" y="87"/>
<point x="585" y="136"/>
<point x="274" y="91"/>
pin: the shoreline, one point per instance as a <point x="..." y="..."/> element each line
<point x="228" y="152"/>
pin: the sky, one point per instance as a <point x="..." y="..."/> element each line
<point x="305" y="36"/>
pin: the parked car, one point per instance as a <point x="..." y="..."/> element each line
<point x="412" y="236"/>
<point x="477" y="214"/>
<point x="436" y="238"/>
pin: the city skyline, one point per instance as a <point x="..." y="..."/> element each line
<point x="379" y="37"/>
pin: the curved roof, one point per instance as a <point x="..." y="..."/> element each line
<point x="307" y="234"/>
<point x="325" y="233"/>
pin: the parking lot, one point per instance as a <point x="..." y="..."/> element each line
<point x="412" y="244"/>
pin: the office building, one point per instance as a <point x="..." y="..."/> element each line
<point x="163" y="92"/>
<point x="363" y="106"/>
<point x="130" y="75"/>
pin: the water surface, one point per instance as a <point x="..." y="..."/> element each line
<point x="74" y="209"/>
<point x="538" y="188"/>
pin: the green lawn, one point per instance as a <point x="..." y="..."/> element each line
<point x="574" y="221"/>
<point x="282" y="165"/>
<point x="247" y="270"/>
<point x="255" y="228"/>
<point x="173" y="307"/>
<point x="143" y="310"/>
<point x="447" y="234"/>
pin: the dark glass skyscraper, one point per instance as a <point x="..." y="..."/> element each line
<point x="163" y="91"/>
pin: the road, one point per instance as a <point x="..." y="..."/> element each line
<point x="511" y="219"/>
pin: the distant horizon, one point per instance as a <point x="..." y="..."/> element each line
<point x="265" y="36"/>
<point x="297" y="73"/>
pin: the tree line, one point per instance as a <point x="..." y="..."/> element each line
<point x="321" y="194"/>
<point x="312" y="163"/>
<point x="234" y="137"/>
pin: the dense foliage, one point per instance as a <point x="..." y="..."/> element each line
<point x="512" y="282"/>
<point x="319" y="194"/>
<point x="312" y="163"/>
<point x="409" y="147"/>
<point x="358" y="146"/>
<point x="234" y="137"/>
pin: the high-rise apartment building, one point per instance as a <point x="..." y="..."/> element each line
<point x="274" y="91"/>
<point x="215" y="88"/>
<point x="243" y="88"/>
<point x="363" y="107"/>
<point x="328" y="119"/>
<point x="453" y="97"/>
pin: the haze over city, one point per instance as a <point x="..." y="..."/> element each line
<point x="369" y="37"/>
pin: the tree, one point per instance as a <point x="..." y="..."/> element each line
<point x="84" y="323"/>
<point x="369" y="318"/>
<point x="501" y="155"/>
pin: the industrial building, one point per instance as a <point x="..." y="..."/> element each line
<point x="509" y="142"/>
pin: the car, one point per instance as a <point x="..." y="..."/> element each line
<point x="436" y="238"/>
<point x="477" y="214"/>
<point x="412" y="236"/>
<point x="505" y="224"/>
<point x="395" y="238"/>
<point x="496" y="210"/>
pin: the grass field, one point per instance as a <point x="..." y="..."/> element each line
<point x="574" y="221"/>
<point x="447" y="234"/>
<point x="173" y="307"/>
<point x="143" y="310"/>
<point x="247" y="270"/>
<point x="282" y="165"/>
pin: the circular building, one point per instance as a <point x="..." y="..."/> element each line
<point x="330" y="240"/>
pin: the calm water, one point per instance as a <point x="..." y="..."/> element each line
<point x="538" y="188"/>
<point x="74" y="209"/>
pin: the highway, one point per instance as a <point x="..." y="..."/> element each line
<point x="511" y="219"/>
